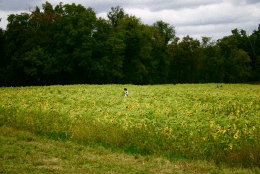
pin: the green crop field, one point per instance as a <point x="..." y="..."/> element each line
<point x="183" y="121"/>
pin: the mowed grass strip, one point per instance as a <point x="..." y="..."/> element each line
<point x="24" y="152"/>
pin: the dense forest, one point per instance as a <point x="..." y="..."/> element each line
<point x="68" y="44"/>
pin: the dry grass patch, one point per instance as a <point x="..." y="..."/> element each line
<point x="23" y="152"/>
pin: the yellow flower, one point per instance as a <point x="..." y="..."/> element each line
<point x="119" y="113"/>
<point x="230" y="146"/>
<point x="236" y="136"/>
<point x="231" y="113"/>
<point x="253" y="128"/>
<point x="211" y="124"/>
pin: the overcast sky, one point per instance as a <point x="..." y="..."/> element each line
<point x="196" y="18"/>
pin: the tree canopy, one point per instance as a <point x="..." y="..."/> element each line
<point x="68" y="44"/>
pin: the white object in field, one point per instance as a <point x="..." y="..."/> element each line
<point x="126" y="93"/>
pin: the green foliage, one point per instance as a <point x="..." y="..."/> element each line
<point x="235" y="65"/>
<point x="74" y="43"/>
<point x="68" y="44"/>
<point x="185" y="60"/>
<point x="254" y="53"/>
<point x="2" y="55"/>
<point x="37" y="62"/>
<point x="166" y="31"/>
<point x="130" y="29"/>
<point x="107" y="54"/>
<point x="115" y="15"/>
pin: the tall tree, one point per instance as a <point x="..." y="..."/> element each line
<point x="236" y="67"/>
<point x="210" y="62"/>
<point x="38" y="59"/>
<point x="107" y="54"/>
<point x="242" y="39"/>
<point x="16" y="36"/>
<point x="185" y="60"/>
<point x="137" y="50"/>
<point x="165" y="34"/>
<point x="2" y="58"/>
<point x="115" y="15"/>
<point x="173" y="51"/>
<point x="166" y="31"/>
<point x="2" y="62"/>
<point x="254" y="40"/>
<point x="74" y="44"/>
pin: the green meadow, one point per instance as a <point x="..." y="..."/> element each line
<point x="176" y="122"/>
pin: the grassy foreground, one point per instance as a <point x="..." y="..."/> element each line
<point x="177" y="122"/>
<point x="24" y="152"/>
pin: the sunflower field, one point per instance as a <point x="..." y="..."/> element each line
<point x="183" y="121"/>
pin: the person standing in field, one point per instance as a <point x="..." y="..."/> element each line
<point x="125" y="92"/>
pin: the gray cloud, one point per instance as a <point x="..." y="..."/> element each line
<point x="105" y="6"/>
<point x="18" y="5"/>
<point x="176" y="5"/>
<point x="252" y="1"/>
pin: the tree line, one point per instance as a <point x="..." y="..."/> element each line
<point x="68" y="44"/>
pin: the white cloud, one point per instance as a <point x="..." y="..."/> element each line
<point x="4" y="16"/>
